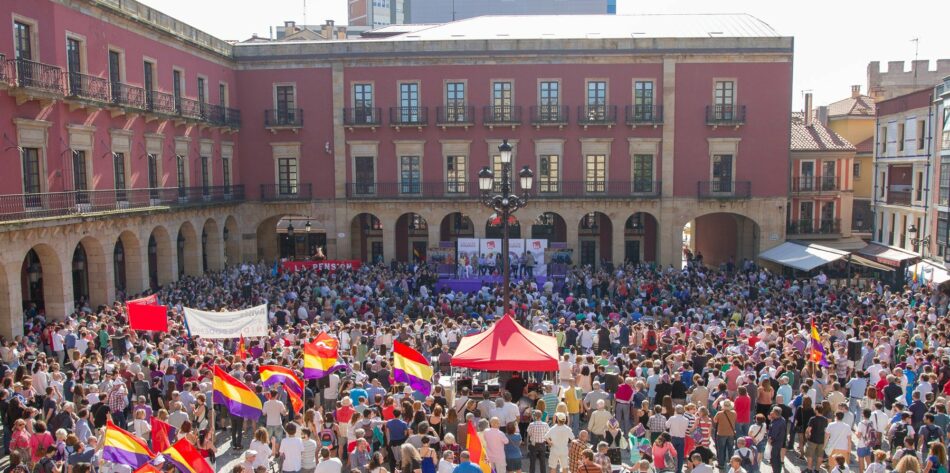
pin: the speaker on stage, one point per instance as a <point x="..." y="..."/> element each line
<point x="854" y="350"/>
<point x="478" y="391"/>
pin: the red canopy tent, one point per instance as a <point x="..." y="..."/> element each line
<point x="507" y="346"/>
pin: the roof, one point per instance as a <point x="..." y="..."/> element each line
<point x="866" y="146"/>
<point x="860" y="106"/>
<point x="802" y="256"/>
<point x="815" y="137"/>
<point x="393" y="30"/>
<point x="595" y="26"/>
<point x="504" y="345"/>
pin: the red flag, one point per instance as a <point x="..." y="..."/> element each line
<point x="162" y="434"/>
<point x="148" y="317"/>
<point x="147" y="300"/>
<point x="186" y="458"/>
<point x="295" y="401"/>
<point x="147" y="468"/>
<point x="242" y="349"/>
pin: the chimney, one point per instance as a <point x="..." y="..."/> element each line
<point x="327" y="30"/>
<point x="808" y="109"/>
<point x="290" y="27"/>
<point x="855" y="91"/>
<point x="821" y="115"/>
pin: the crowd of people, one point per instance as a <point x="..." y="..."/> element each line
<point x="660" y="370"/>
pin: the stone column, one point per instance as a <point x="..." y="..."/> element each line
<point x="669" y="107"/>
<point x="215" y="249"/>
<point x="136" y="268"/>
<point x="616" y="240"/>
<point x="11" y="301"/>
<point x="670" y="236"/>
<point x="389" y="240"/>
<point x="57" y="288"/>
<point x="248" y="246"/>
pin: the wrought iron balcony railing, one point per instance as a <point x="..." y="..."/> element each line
<point x="644" y="114"/>
<point x="286" y="191"/>
<point x="461" y="115"/>
<point x="725" y="114"/>
<point x="814" y="227"/>
<point x="502" y="115"/>
<point x="465" y="189"/>
<point x="36" y="75"/>
<point x="84" y="86"/>
<point x="408" y="116"/>
<point x="549" y="115"/>
<point x="283" y="118"/>
<point x="597" y="115"/>
<point x="362" y="116"/>
<point x="805" y="184"/>
<point x="128" y="95"/>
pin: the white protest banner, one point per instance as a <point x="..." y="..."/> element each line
<point x="515" y="248"/>
<point x="536" y="248"/>
<point x="248" y="322"/>
<point x="467" y="251"/>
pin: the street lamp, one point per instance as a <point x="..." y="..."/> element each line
<point x="924" y="242"/>
<point x="505" y="204"/>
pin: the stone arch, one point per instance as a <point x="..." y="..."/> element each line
<point x="160" y="256"/>
<point x="212" y="246"/>
<point x="129" y="271"/>
<point x="456" y="225"/>
<point x="495" y="229"/>
<point x="641" y="238"/>
<point x="232" y="241"/>
<point x="720" y="237"/>
<point x="43" y="282"/>
<point x="550" y="226"/>
<point x="412" y="237"/>
<point x="188" y="250"/>
<point x="275" y="241"/>
<point x="366" y="238"/>
<point x="594" y="239"/>
<point x="97" y="274"/>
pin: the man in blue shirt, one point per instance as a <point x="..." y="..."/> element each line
<point x="396" y="431"/>
<point x="465" y="464"/>
<point x="857" y="389"/>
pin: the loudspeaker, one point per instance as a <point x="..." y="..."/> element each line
<point x="478" y="391"/>
<point x="854" y="350"/>
<point x="463" y="383"/>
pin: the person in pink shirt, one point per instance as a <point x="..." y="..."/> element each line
<point x="39" y="441"/>
<point x="732" y="377"/>
<point x="743" y="406"/>
<point x="495" y="441"/>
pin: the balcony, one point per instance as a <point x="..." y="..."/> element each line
<point x="39" y="77"/>
<point x="899" y="194"/>
<point x="124" y="95"/>
<point x="285" y="192"/>
<point x="455" y="115"/>
<point x="189" y="108"/>
<point x="362" y="117"/>
<point x="408" y="116"/>
<point x="160" y="102"/>
<point x="549" y="115"/>
<point x="644" y="115"/>
<point x="725" y="115"/>
<point x="468" y="190"/>
<point x="814" y="227"/>
<point x="501" y="115"/>
<point x="723" y="189"/>
<point x="601" y="115"/>
<point x="77" y="203"/>
<point x="86" y="87"/>
<point x="815" y="184"/>
<point x="6" y="77"/>
<point x="283" y="119"/>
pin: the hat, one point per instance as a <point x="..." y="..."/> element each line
<point x="250" y="453"/>
<point x="407" y="390"/>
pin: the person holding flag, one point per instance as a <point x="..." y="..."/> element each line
<point x="240" y="401"/>
<point x="817" y="348"/>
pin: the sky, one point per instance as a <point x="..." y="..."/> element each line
<point x="834" y="39"/>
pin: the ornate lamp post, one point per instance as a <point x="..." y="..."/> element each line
<point x="505" y="203"/>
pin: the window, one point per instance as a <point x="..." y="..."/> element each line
<point x="363" y="103"/>
<point x="365" y="174"/>
<point x="152" y="171"/>
<point x="23" y="35"/>
<point x="900" y="137"/>
<point x="921" y="133"/>
<point x="722" y="173"/>
<point x="80" y="173"/>
<point x="115" y="74"/>
<point x="149" y="82"/>
<point x="286" y="105"/>
<point x="182" y="175"/>
<point x="942" y="233"/>
<point x="827" y="217"/>
<point x="205" y="175"/>
<point x="502" y="102"/>
<point x="226" y="174"/>
<point x="549" y="175"/>
<point x="176" y="89"/>
<point x="856" y="169"/>
<point x="496" y="169"/>
<point x="890" y="237"/>
<point x="31" y="171"/>
<point x="883" y="184"/>
<point x="549" y="97"/>
<point x="643" y="173"/>
<point x="903" y="233"/>
<point x="74" y="65"/>
<point x="118" y="169"/>
<point x="595" y="173"/>
<point x="806" y="181"/>
<point x="828" y="179"/>
<point x="806" y="216"/>
<point x="409" y="102"/>
<point x="455" y="102"/>
<point x="455" y="174"/>
<point x="202" y="91"/>
<point x="223" y="95"/>
<point x="643" y="100"/>
<point x="919" y="188"/>
<point x="944" y="196"/>
<point x="724" y="97"/>
<point x="589" y="221"/>
<point x="287" y="176"/>
<point x="596" y="100"/>
<point x="410" y="174"/>
<point x="883" y="138"/>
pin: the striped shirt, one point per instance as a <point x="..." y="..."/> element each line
<point x="536" y="431"/>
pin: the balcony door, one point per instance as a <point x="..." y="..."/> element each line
<point x="828" y="175"/>
<point x="364" y="174"/>
<point x="722" y="173"/>
<point x="806" y="180"/>
<point x="74" y="65"/>
<point x="115" y="77"/>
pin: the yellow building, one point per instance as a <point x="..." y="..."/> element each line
<point x="853" y="119"/>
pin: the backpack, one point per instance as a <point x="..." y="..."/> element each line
<point x="899" y="434"/>
<point x="872" y="438"/>
<point x="747" y="461"/>
<point x="327" y="438"/>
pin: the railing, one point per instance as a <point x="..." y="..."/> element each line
<point x="898" y="197"/>
<point x="549" y="115"/>
<point x="88" y="87"/>
<point x="232" y="117"/>
<point x="469" y="190"/>
<point x="36" y="75"/>
<point x="597" y="114"/>
<point x="128" y="96"/>
<point x="5" y="67"/>
<point x="455" y="115"/>
<point x="408" y="116"/>
<point x="644" y="114"/>
<point x="722" y="114"/>
<point x="363" y="116"/>
<point x="67" y="203"/>
<point x="814" y="227"/>
<point x="280" y="117"/>
<point x="502" y="115"/>
<point x="274" y="192"/>
<point x="722" y="189"/>
<point x="815" y="184"/>
<point x="189" y="108"/>
<point x="160" y="102"/>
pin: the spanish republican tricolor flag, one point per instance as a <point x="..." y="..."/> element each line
<point x="321" y="357"/>
<point x="237" y="397"/>
<point x="186" y="458"/>
<point x="273" y="374"/>
<point x="817" y="349"/>
<point x="120" y="446"/>
<point x="409" y="366"/>
<point x="475" y="450"/>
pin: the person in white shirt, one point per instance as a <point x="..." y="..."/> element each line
<point x="327" y="464"/>
<point x="331" y="392"/>
<point x="559" y="437"/>
<point x="447" y="464"/>
<point x="839" y="437"/>
<point x="495" y="441"/>
<point x="273" y="411"/>
<point x="291" y="449"/>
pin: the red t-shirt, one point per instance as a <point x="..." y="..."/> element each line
<point x="743" y="409"/>
<point x="344" y="414"/>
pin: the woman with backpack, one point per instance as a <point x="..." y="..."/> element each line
<point x="937" y="459"/>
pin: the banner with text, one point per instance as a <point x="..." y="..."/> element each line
<point x="467" y="251"/>
<point x="535" y="247"/>
<point x="490" y="247"/>
<point x="248" y="322"/>
<point x="323" y="265"/>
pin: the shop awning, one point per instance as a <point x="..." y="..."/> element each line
<point x="887" y="255"/>
<point x="930" y="272"/>
<point x="802" y="256"/>
<point x="846" y="244"/>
